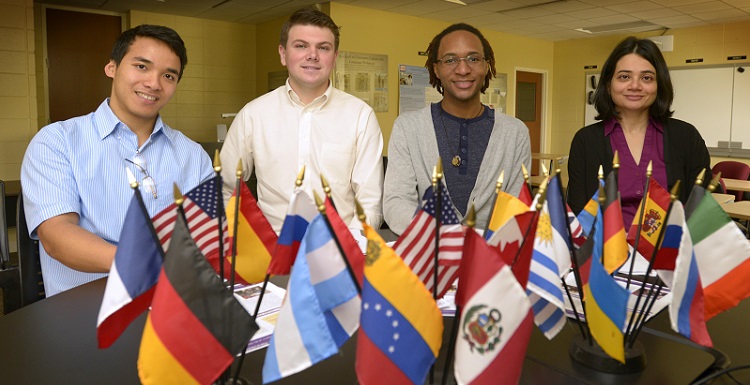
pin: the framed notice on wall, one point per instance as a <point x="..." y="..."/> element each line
<point x="365" y="76"/>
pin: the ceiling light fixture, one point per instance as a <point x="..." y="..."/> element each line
<point x="634" y="26"/>
<point x="459" y="2"/>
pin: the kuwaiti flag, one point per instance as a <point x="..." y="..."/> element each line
<point x="321" y="309"/>
<point x="132" y="277"/>
<point x="495" y="323"/>
<point x="686" y="311"/>
<point x="550" y="261"/>
<point x="401" y="326"/>
<point x="255" y="238"/>
<point x="195" y="327"/>
<point x="506" y="207"/>
<point x="723" y="256"/>
<point x="300" y="213"/>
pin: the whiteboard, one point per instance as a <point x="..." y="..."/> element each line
<point x="741" y="110"/>
<point x="703" y="97"/>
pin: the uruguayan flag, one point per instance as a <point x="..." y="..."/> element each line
<point x="321" y="309"/>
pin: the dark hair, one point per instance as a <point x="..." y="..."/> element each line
<point x="648" y="50"/>
<point x="310" y="16"/>
<point x="432" y="52"/>
<point x="158" y="32"/>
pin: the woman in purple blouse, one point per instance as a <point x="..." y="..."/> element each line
<point x="633" y="100"/>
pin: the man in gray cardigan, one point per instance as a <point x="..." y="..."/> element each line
<point x="474" y="141"/>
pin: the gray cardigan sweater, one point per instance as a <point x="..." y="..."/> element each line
<point x="413" y="153"/>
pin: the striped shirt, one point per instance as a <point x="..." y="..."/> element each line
<point x="78" y="166"/>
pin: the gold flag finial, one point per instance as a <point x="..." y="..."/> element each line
<point x="217" y="161"/>
<point x="239" y="168"/>
<point x="525" y="172"/>
<point x="439" y="169"/>
<point x="319" y="202"/>
<point x="542" y="194"/>
<point x="499" y="183"/>
<point x="602" y="195"/>
<point x="300" y="177"/>
<point x="471" y="216"/>
<point x="326" y="186"/>
<point x="545" y="172"/>
<point x="601" y="172"/>
<point x="360" y="211"/>
<point x="178" y="198"/>
<point x="714" y="182"/>
<point x="699" y="178"/>
<point x="650" y="168"/>
<point x="434" y="177"/>
<point x="616" y="161"/>
<point x="131" y="179"/>
<point x="674" y="193"/>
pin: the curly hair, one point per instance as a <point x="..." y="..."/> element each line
<point x="432" y="52"/>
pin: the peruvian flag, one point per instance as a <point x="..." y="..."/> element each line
<point x="496" y="320"/>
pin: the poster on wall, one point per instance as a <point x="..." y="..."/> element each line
<point x="365" y="76"/>
<point x="415" y="91"/>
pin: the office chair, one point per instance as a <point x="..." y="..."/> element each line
<point x="10" y="284"/>
<point x="32" y="283"/>
<point x="733" y="170"/>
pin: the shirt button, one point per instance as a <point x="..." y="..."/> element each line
<point x="463" y="150"/>
<point x="639" y="192"/>
<point x="463" y="162"/>
<point x="463" y="125"/>
<point x="463" y="137"/>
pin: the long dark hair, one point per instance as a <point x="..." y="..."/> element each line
<point x="648" y="50"/>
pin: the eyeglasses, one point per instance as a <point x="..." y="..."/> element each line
<point x="147" y="182"/>
<point x="473" y="61"/>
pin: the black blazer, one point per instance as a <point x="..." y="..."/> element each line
<point x="685" y="155"/>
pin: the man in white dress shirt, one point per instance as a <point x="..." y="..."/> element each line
<point x="308" y="122"/>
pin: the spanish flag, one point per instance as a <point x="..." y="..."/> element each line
<point x="255" y="237"/>
<point x="195" y="327"/>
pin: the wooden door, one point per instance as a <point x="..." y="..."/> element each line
<point x="78" y="47"/>
<point x="529" y="108"/>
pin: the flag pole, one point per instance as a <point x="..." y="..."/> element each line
<point x="235" y="225"/>
<point x="322" y="209"/>
<point x="542" y="189"/>
<point x="556" y="173"/>
<point x="219" y="212"/>
<point x="137" y="192"/>
<point x="437" y="176"/>
<point x="498" y="188"/>
<point x="641" y="212"/>
<point x="327" y="190"/>
<point x="470" y="222"/>
<point x="629" y="330"/>
<point x="526" y="177"/>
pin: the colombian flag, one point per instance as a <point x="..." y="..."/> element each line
<point x="257" y="240"/>
<point x="401" y="327"/>
<point x="506" y="207"/>
<point x="196" y="326"/>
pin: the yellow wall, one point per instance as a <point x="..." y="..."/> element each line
<point x="18" y="109"/>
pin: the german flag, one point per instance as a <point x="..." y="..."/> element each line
<point x="195" y="327"/>
<point x="615" y="244"/>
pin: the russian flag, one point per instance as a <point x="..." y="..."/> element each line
<point x="132" y="276"/>
<point x="301" y="212"/>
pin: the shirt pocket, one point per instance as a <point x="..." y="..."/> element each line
<point x="337" y="163"/>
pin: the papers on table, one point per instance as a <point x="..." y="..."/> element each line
<point x="248" y="296"/>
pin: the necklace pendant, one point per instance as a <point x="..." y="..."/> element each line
<point x="456" y="161"/>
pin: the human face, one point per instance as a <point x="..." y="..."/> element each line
<point x="309" y="56"/>
<point x="633" y="86"/>
<point x="462" y="84"/>
<point x="143" y="82"/>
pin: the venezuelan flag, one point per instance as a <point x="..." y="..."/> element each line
<point x="401" y="326"/>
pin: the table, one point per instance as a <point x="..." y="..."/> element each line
<point x="738" y="210"/>
<point x="53" y="341"/>
<point x="737" y="184"/>
<point x="723" y="198"/>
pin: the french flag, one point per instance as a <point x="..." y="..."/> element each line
<point x="132" y="277"/>
<point x="301" y="212"/>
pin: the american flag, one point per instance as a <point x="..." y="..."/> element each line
<point x="416" y="245"/>
<point x="201" y="207"/>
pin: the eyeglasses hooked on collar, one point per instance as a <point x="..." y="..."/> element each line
<point x="473" y="61"/>
<point x="148" y="182"/>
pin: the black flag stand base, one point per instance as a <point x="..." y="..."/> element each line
<point x="231" y="381"/>
<point x="592" y="356"/>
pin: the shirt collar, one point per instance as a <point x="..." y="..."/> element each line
<point x="105" y="115"/>
<point x="317" y="103"/>
<point x="611" y="124"/>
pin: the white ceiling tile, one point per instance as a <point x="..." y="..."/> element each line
<point x="708" y="6"/>
<point x="718" y="15"/>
